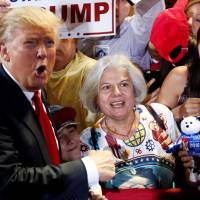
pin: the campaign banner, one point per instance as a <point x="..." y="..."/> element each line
<point x="82" y="18"/>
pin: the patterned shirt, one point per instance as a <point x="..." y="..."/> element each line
<point x="145" y="163"/>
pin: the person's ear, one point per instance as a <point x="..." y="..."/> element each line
<point x="4" y="52"/>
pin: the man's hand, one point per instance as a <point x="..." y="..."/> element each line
<point x="94" y="196"/>
<point x="104" y="161"/>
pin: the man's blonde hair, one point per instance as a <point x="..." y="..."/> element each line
<point x="22" y="16"/>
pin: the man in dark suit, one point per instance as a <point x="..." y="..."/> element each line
<point x="30" y="168"/>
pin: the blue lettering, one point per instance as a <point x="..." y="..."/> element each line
<point x="17" y="0"/>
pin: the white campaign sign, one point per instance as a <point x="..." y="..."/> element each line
<point x="82" y="18"/>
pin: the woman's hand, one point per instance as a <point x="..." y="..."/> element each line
<point x="192" y="175"/>
<point x="187" y="160"/>
<point x="191" y="107"/>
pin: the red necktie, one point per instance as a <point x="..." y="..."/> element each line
<point x="46" y="129"/>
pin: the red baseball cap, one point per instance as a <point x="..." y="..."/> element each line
<point x="170" y="31"/>
<point x="63" y="117"/>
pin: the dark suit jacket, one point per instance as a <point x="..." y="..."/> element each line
<point x="25" y="169"/>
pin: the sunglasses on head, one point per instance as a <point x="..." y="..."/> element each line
<point x="130" y="2"/>
<point x="177" y="53"/>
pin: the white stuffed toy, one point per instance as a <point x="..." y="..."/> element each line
<point x="190" y="125"/>
<point x="190" y="128"/>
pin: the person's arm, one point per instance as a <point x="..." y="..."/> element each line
<point x="191" y="107"/>
<point x="87" y="149"/>
<point x="144" y="7"/>
<point x="172" y="88"/>
<point x="65" y="178"/>
<point x="144" y="16"/>
<point x="100" y="167"/>
<point x="141" y="23"/>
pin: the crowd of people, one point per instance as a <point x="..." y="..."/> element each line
<point x="79" y="116"/>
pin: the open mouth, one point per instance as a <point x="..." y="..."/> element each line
<point x="117" y="104"/>
<point x="39" y="70"/>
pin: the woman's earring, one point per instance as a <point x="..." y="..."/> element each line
<point x="134" y="108"/>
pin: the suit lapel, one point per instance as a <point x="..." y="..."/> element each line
<point x="31" y="122"/>
<point x="18" y="106"/>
